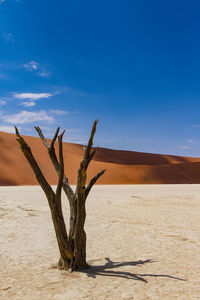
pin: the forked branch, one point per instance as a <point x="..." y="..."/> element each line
<point x="51" y="151"/>
<point x="39" y="131"/>
<point x="72" y="249"/>
<point x="54" y="139"/>
<point x="66" y="187"/>
<point x="54" y="199"/>
<point x="92" y="182"/>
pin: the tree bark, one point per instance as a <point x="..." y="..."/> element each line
<point x="54" y="199"/>
<point x="79" y="234"/>
<point x="66" y="187"/>
<point x="73" y="248"/>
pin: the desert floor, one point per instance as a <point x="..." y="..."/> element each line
<point x="143" y="242"/>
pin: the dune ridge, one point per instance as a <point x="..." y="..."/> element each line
<point x="122" y="167"/>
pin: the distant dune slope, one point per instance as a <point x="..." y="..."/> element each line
<point x="122" y="167"/>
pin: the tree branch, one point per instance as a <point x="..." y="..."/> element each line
<point x="90" y="142"/>
<point x="67" y="189"/>
<point x="53" y="199"/>
<point x="54" y="139"/>
<point x="92" y="182"/>
<point x="61" y="171"/>
<point x="91" y="157"/>
<point x="39" y="131"/>
<point x="37" y="171"/>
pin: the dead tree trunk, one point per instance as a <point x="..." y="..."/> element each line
<point x="72" y="246"/>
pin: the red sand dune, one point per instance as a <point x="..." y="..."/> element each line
<point x="122" y="167"/>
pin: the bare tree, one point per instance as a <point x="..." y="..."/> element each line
<point x="72" y="245"/>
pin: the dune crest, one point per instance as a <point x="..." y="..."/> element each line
<point x="122" y="167"/>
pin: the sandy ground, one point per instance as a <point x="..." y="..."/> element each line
<point x="122" y="167"/>
<point x="143" y="243"/>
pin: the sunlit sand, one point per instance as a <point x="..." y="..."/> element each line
<point x="143" y="242"/>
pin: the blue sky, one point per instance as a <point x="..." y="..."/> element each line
<point x="134" y="65"/>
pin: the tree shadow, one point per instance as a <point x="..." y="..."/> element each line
<point x="106" y="270"/>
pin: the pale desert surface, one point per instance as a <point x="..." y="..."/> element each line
<point x="143" y="242"/>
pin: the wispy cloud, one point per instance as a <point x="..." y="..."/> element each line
<point x="191" y="141"/>
<point x="2" y="1"/>
<point x="61" y="89"/>
<point x="28" y="104"/>
<point x="31" y="97"/>
<point x="59" y="112"/>
<point x="76" y="136"/>
<point x="2" y="102"/>
<point x="8" y="37"/>
<point x="31" y="66"/>
<point x="193" y="127"/>
<point x="75" y="139"/>
<point x="44" y="73"/>
<point x="9" y="129"/>
<point x="184" y="147"/>
<point x="27" y="117"/>
<point x="34" y="66"/>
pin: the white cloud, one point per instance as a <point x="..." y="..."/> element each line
<point x="9" y="129"/>
<point x="75" y="140"/>
<point x="59" y="112"/>
<point x="61" y="90"/>
<point x="44" y="73"/>
<point x="45" y="127"/>
<point x="28" y="104"/>
<point x="2" y="102"/>
<point x="27" y="117"/>
<point x="2" y="1"/>
<point x="191" y="141"/>
<point x="8" y="37"/>
<point x="32" y="96"/>
<point x="184" y="147"/>
<point x="31" y="66"/>
<point x="34" y="66"/>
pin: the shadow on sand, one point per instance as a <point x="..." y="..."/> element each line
<point x="107" y="270"/>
